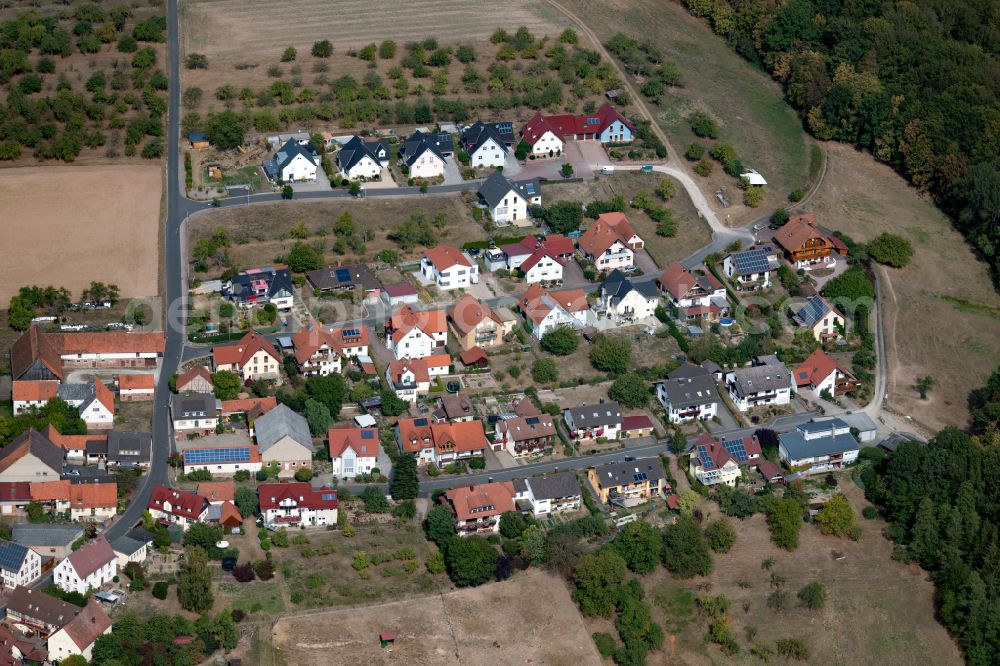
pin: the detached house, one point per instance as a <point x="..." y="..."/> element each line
<point x="411" y="378"/>
<point x="353" y="451"/>
<point x="177" y="507"/>
<point x="257" y="286"/>
<point x="688" y="393"/>
<point x="714" y="462"/>
<point x="455" y="408"/>
<point x="93" y="502"/>
<point x="606" y="125"/>
<point x="339" y="279"/>
<point x="629" y="483"/>
<point x="66" y="629"/>
<point x="476" y="324"/>
<point x="94" y="401"/>
<point x="196" y="380"/>
<point x="478" y="508"/>
<point x="296" y="504"/>
<point x="362" y="160"/>
<point x="294" y="161"/>
<point x="547" y="310"/>
<point x="821" y="373"/>
<point x="448" y="268"/>
<point x="440" y="443"/>
<point x="416" y="333"/>
<point x="759" y="386"/>
<point x="544" y="139"/>
<point x="590" y="422"/>
<point x="79" y="634"/>
<point x="818" y="446"/>
<point x="548" y="493"/>
<point x="508" y="201"/>
<point x="751" y="269"/>
<point x="542" y="266"/>
<point x="19" y="565"/>
<point x="315" y="352"/>
<point x="222" y="461"/>
<point x="820" y="319"/>
<point x="806" y="245"/>
<point x="89" y="567"/>
<point x="487" y="143"/>
<point x="610" y="242"/>
<point x="523" y="436"/>
<point x="252" y="358"/>
<point x="194" y="413"/>
<point x="693" y="294"/>
<point x="283" y="437"/>
<point x="424" y="154"/>
<point x="625" y="301"/>
<point x="31" y="457"/>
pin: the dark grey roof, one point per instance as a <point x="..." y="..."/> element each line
<point x="627" y="473"/>
<point x="12" y="555"/>
<point x="591" y="416"/>
<point x="127" y="545"/>
<point x="554" y="486"/>
<point x="195" y="137"/>
<point x="27" y="534"/>
<point x="38" y="446"/>
<point x="192" y="405"/>
<point x="761" y="378"/>
<point x="140" y="534"/>
<point x="690" y="389"/>
<point x="520" y="486"/>
<point x="357" y="149"/>
<point x="798" y="447"/>
<point x="689" y="370"/>
<point x="279" y="282"/>
<point x="495" y="188"/>
<point x="479" y="132"/>
<point x="77" y="392"/>
<point x="711" y="366"/>
<point x="618" y="286"/>
<point x="529" y="188"/>
<point x="812" y="312"/>
<point x="414" y="147"/>
<point x="750" y="261"/>
<point x="334" y="278"/>
<point x="893" y="441"/>
<point x="129" y="447"/>
<point x="97" y="447"/>
<point x="279" y="422"/>
<point x="286" y="154"/>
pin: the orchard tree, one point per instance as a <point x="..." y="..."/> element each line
<point x="561" y="341"/>
<point x="630" y="391"/>
<point x="611" y="354"/>
<point x="836" y="516"/>
<point x="471" y="560"/>
<point x="439" y="524"/>
<point x="685" y="552"/>
<point x="598" y="577"/>
<point x="225" y="130"/>
<point x="890" y="249"/>
<point x="720" y="535"/>
<point x="404" y="485"/>
<point x="785" y="520"/>
<point x="194" y="583"/>
<point x="226" y="384"/>
<point x="639" y="545"/>
<point x="544" y="370"/>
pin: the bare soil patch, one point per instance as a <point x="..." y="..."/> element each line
<point x="925" y="333"/>
<point x="530" y="619"/>
<point x="260" y="233"/>
<point x="67" y="226"/>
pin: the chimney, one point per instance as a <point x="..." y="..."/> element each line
<point x="471" y="487"/>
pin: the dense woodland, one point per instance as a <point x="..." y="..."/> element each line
<point x="942" y="502"/>
<point x="914" y="82"/>
<point x="86" y="77"/>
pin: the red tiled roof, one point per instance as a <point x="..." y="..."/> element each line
<point x="247" y="405"/>
<point x="89" y="623"/>
<point x="183" y="504"/>
<point x="619" y="223"/>
<point x="34" y="344"/>
<point x="340" y="340"/>
<point x="397" y="290"/>
<point x="567" y="123"/>
<point x="770" y="470"/>
<point x="91" y="556"/>
<point x="558" y="244"/>
<point x="458" y="437"/>
<point x="817" y="367"/>
<point x="104" y="395"/>
<point x="536" y="302"/>
<point x="600" y="236"/>
<point x="109" y="342"/>
<point x="473" y="355"/>
<point x="340" y="439"/>
<point x="524" y="246"/>
<point x="229" y="515"/>
<point x="676" y="280"/>
<point x="417" y="366"/>
<point x="535" y="129"/>
<point x="197" y="371"/>
<point x="47" y="491"/>
<point x="71" y="442"/>
<point x="93" y="495"/>
<point x="412" y="435"/>
<point x="43" y="390"/>
<point x="484" y="500"/>
<point x="308" y="341"/>
<point x="271" y="495"/>
<point x="133" y="382"/>
<point x="15" y="491"/>
<point x="468" y="312"/>
<point x="798" y="230"/>
<point x="240" y="353"/>
<point x="429" y="321"/>
<point x="445" y="256"/>
<point x="535" y="257"/>
<point x="640" y="422"/>
<point x="217" y="491"/>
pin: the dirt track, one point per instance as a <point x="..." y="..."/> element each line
<point x="67" y="226"/>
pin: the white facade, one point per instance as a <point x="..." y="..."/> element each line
<point x="226" y="468"/>
<point x="545" y="269"/>
<point x="95" y="414"/>
<point x="138" y="557"/>
<point x="634" y="305"/>
<point x="512" y="209"/>
<point x="407" y="387"/>
<point x="68" y="579"/>
<point x="98" y="514"/>
<point x="200" y="424"/>
<point x="30" y="570"/>
<point x="61" y="646"/>
<point x="749" y="281"/>
<point x="366" y="167"/>
<point x="617" y="256"/>
<point x="427" y="165"/>
<point x="325" y="361"/>
<point x="682" y="413"/>
<point x="454" y="277"/>
<point x="488" y="154"/>
<point x="558" y="317"/>
<point x="778" y="396"/>
<point x="415" y="344"/>
<point x="726" y="474"/>
<point x="349" y="464"/>
<point x="547" y="143"/>
<point x="307" y="516"/>
<point x="299" y="168"/>
<point x="545" y="506"/>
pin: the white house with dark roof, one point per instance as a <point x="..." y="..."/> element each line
<point x="508" y="201"/>
<point x="688" y="393"/>
<point x="361" y="160"/>
<point x="627" y="301"/>
<point x="19" y="565"/>
<point x="424" y="154"/>
<point x="759" y="386"/>
<point x="751" y="269"/>
<point x="487" y="143"/>
<point x="293" y="162"/>
<point x="586" y="422"/>
<point x="548" y="493"/>
<point x="821" y="319"/>
<point x="819" y="446"/>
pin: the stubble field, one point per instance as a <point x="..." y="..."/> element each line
<point x="529" y="619"/>
<point x="68" y="226"/>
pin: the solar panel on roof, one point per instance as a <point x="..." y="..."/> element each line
<point x="736" y="449"/>
<point x="343" y="275"/>
<point x="352" y="333"/>
<point x="221" y="455"/>
<point x="11" y="556"/>
<point x="706" y="460"/>
<point x="326" y="497"/>
<point x="367" y="434"/>
<point x="505" y="128"/>
<point x="751" y="261"/>
<point x="639" y="478"/>
<point x="532" y="420"/>
<point x="420" y="422"/>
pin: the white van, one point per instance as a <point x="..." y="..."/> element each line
<point x="607" y="170"/>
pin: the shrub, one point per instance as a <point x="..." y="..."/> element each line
<point x="720" y="536"/>
<point x="703" y="168"/>
<point x="891" y="250"/>
<point x="544" y="370"/>
<point x="160" y="590"/>
<point x="796" y="195"/>
<point x="605" y="643"/>
<point x="695" y="152"/>
<point x="560" y="341"/>
<point x="703" y="125"/>
<point x="244" y="573"/>
<point x="792" y="648"/>
<point x="812" y="595"/>
<point x="264" y="569"/>
<point x="779" y="217"/>
<point x="869" y="512"/>
<point x="322" y="49"/>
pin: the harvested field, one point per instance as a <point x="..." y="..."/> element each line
<point x="222" y="28"/>
<point x="261" y="232"/>
<point x="499" y="623"/>
<point x="692" y="232"/>
<point x="885" y="607"/>
<point x="67" y="226"/>
<point x="747" y="105"/>
<point x="953" y="341"/>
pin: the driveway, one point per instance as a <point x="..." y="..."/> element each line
<point x="385" y="182"/>
<point x="452" y="174"/>
<point x="321" y="184"/>
<point x="511" y="167"/>
<point x="573" y="276"/>
<point x="584" y="155"/>
<point x="646" y="264"/>
<point x="547" y="169"/>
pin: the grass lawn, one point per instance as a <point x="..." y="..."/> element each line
<point x="257" y="596"/>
